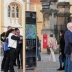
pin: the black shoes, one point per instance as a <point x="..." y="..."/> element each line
<point x="60" y="69"/>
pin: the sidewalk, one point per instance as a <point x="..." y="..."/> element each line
<point x="44" y="65"/>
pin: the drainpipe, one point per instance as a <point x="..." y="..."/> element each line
<point x="28" y="5"/>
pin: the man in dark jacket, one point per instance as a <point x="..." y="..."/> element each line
<point x="38" y="49"/>
<point x="19" y="49"/>
<point x="68" y="39"/>
<point x="3" y="38"/>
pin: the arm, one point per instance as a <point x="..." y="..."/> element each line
<point x="69" y="38"/>
<point x="3" y="37"/>
<point x="15" y="37"/>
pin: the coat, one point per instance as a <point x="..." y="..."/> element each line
<point x="68" y="39"/>
<point x="62" y="44"/>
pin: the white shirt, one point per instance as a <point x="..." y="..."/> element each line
<point x="12" y="43"/>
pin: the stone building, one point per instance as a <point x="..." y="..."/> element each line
<point x="11" y="12"/>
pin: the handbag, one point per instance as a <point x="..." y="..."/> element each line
<point x="68" y="49"/>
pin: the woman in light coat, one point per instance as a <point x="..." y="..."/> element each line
<point x="52" y="44"/>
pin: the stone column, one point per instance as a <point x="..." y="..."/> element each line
<point x="28" y="5"/>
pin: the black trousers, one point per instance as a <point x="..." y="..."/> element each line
<point x="19" y="59"/>
<point x="4" y="59"/>
<point x="10" y="60"/>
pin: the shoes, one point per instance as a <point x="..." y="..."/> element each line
<point x="60" y="68"/>
<point x="63" y="68"/>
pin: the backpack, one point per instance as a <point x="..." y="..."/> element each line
<point x="6" y="45"/>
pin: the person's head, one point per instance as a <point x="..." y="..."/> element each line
<point x="9" y="27"/>
<point x="61" y="33"/>
<point x="51" y="35"/>
<point x="17" y="32"/>
<point x="69" y="26"/>
<point x="12" y="31"/>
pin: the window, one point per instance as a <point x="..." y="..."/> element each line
<point x="17" y="12"/>
<point x="8" y="11"/>
<point x="13" y="10"/>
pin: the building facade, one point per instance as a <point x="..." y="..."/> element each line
<point x="11" y="13"/>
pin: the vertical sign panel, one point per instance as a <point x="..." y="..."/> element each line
<point x="30" y="39"/>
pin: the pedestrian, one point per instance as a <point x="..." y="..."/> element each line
<point x="12" y="44"/>
<point x="52" y="45"/>
<point x="19" y="49"/>
<point x="61" y="51"/>
<point x="4" y="35"/>
<point x="68" y="48"/>
<point x="38" y="49"/>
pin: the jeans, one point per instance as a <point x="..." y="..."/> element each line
<point x="61" y="60"/>
<point x="68" y="64"/>
<point x="38" y="53"/>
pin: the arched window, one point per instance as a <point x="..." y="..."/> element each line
<point x="13" y="12"/>
<point x="17" y="12"/>
<point x="8" y="11"/>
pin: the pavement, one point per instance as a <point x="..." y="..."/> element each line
<point x="44" y="65"/>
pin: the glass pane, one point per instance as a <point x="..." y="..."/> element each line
<point x="17" y="15"/>
<point x="13" y="12"/>
<point x="8" y="14"/>
<point x="13" y="15"/>
<point x="17" y="11"/>
<point x="8" y="11"/>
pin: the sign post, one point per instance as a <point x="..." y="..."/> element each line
<point x="31" y="39"/>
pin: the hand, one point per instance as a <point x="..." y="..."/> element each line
<point x="60" y="53"/>
<point x="21" y="38"/>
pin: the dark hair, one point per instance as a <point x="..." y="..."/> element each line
<point x="51" y="35"/>
<point x="62" y="32"/>
<point x="16" y="29"/>
<point x="8" y="32"/>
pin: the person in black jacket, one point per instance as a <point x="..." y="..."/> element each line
<point x="61" y="51"/>
<point x="38" y="49"/>
<point x="12" y="45"/>
<point x="4" y="35"/>
<point x="19" y="49"/>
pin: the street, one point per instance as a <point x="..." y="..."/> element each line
<point x="44" y="65"/>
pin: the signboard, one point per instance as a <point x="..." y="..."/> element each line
<point x="30" y="39"/>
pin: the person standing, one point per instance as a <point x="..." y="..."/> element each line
<point x="52" y="44"/>
<point x="12" y="44"/>
<point x="19" y="49"/>
<point x="4" y="35"/>
<point x="61" y="51"/>
<point x="38" y="49"/>
<point x="68" y="39"/>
